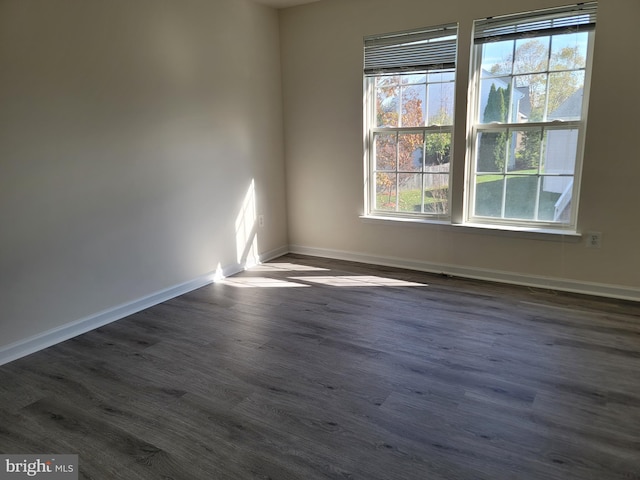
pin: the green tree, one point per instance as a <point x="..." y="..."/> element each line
<point x="496" y="108"/>
<point x="528" y="154"/>
<point x="438" y="145"/>
<point x="493" y="146"/>
<point x="437" y="158"/>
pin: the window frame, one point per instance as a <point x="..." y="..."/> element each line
<point x="464" y="126"/>
<point x="475" y="127"/>
<point x="371" y="129"/>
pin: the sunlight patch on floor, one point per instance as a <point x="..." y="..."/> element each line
<point x="358" y="281"/>
<point x="259" y="282"/>
<point x="286" y="267"/>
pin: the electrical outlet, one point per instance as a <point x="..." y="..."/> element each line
<point x="261" y="221"/>
<point x="594" y="239"/>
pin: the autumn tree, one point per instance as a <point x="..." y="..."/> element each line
<point x="403" y="151"/>
<point x="410" y="153"/>
<point x="385" y="144"/>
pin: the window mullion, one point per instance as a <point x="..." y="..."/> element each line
<point x="536" y="208"/>
<point x="503" y="206"/>
<point x="548" y="85"/>
<point x="397" y="209"/>
<point x="399" y="106"/>
<point x="423" y="176"/>
<point x="557" y="124"/>
<point x="541" y="151"/>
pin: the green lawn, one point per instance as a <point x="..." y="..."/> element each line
<point x="519" y="198"/>
<point x="410" y="201"/>
<point x="493" y="178"/>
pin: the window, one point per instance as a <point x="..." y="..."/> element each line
<point x="526" y="114"/>
<point x="409" y="80"/>
<point x="531" y="76"/>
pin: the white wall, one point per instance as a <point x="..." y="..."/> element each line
<point x="322" y="84"/>
<point x="130" y="133"/>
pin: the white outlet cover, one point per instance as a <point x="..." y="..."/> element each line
<point x="594" y="239"/>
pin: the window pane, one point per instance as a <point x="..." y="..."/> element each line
<point x="410" y="186"/>
<point x="565" y="95"/>
<point x="436" y="194"/>
<point x="524" y="151"/>
<point x="530" y="97"/>
<point x="497" y="58"/>
<point x="409" y="120"/>
<point x="532" y="55"/>
<point x="494" y="99"/>
<point x="410" y="147"/>
<point x="440" y="103"/>
<point x="560" y="149"/>
<point x="387" y="80"/>
<point x="414" y="78"/>
<point x="413" y="106"/>
<point x="489" y="191"/>
<point x="442" y="76"/>
<point x="386" y="191"/>
<point x="525" y="172"/>
<point x="556" y="199"/>
<point x="387" y="106"/>
<point x="437" y="152"/>
<point x="520" y="200"/>
<point x="491" y="151"/>
<point x="385" y="154"/>
<point x="569" y="51"/>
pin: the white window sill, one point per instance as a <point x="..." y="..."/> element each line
<point x="481" y="228"/>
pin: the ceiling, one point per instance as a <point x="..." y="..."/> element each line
<point x="284" y="3"/>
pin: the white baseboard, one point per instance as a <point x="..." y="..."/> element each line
<point x="561" y="284"/>
<point x="51" y="337"/>
<point x="278" y="252"/>
<point x="56" y="335"/>
<point x="29" y="345"/>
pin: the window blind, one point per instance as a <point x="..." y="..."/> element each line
<point x="573" y="18"/>
<point x="425" y="49"/>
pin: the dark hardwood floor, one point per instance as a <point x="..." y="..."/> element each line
<point x="307" y="368"/>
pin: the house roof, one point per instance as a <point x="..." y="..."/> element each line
<point x="570" y="109"/>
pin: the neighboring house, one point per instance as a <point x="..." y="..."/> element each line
<point x="560" y="154"/>
<point x="570" y="109"/>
